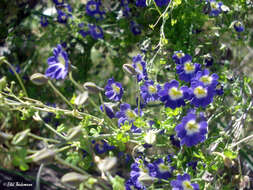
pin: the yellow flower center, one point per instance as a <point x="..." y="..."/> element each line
<point x="180" y="55"/>
<point x="238" y="24"/>
<point x="175" y="93"/>
<point x="116" y="88"/>
<point x="63" y="17"/>
<point x="60" y="1"/>
<point x="191" y="127"/>
<point x="187" y="185"/>
<point x="152" y="89"/>
<point x="139" y="67"/>
<point x="189" y="67"/>
<point x="93" y="7"/>
<point x="61" y="60"/>
<point x="200" y="92"/>
<point x="206" y="79"/>
<point x="214" y="5"/>
<point x="130" y="114"/>
<point x="163" y="167"/>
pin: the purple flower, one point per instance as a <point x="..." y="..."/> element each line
<point x="82" y="31"/>
<point x="108" y="110"/>
<point x="58" y="2"/>
<point x="125" y="5"/>
<point x="215" y="8"/>
<point x="174" y="141"/>
<point x="172" y="95"/>
<point x="94" y="9"/>
<point x="161" y="3"/>
<point x="141" y="3"/>
<point x="183" y="183"/>
<point x="113" y="90"/>
<point x="180" y="57"/>
<point x="161" y="170"/>
<point x="127" y="114"/>
<point x="219" y="89"/>
<point x="58" y="64"/>
<point x="208" y="61"/>
<point x="206" y="79"/>
<point x="187" y="70"/>
<point x="135" y="28"/>
<point x="202" y="94"/>
<point x="140" y="67"/>
<point x="102" y="147"/>
<point x="64" y="13"/>
<point x="96" y="32"/>
<point x="149" y="91"/>
<point x="43" y="21"/>
<point x="238" y="26"/>
<point x="192" y="130"/>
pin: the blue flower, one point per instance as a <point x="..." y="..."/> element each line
<point x="215" y="8"/>
<point x="187" y="70"/>
<point x="180" y="57"/>
<point x="183" y="183"/>
<point x="108" y="110"/>
<point x="202" y="94"/>
<point x="219" y="89"/>
<point x="58" y="64"/>
<point x="58" y="2"/>
<point x="43" y="21"/>
<point x="238" y="26"/>
<point x="125" y="5"/>
<point x="141" y="3"/>
<point x="149" y="91"/>
<point x="94" y="9"/>
<point x="206" y="79"/>
<point x="96" y="32"/>
<point x="102" y="147"/>
<point x="64" y="13"/>
<point x="113" y="90"/>
<point x="140" y="67"/>
<point x="135" y="28"/>
<point x="161" y="3"/>
<point x="192" y="130"/>
<point x="174" y="141"/>
<point x="126" y="114"/>
<point x="208" y="61"/>
<point x="161" y="170"/>
<point x="172" y="95"/>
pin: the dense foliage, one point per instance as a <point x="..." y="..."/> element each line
<point x="144" y="94"/>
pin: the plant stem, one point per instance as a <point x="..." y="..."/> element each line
<point x="2" y="59"/>
<point x="60" y="94"/>
<point x="43" y="139"/>
<point x="38" y="177"/>
<point x="54" y="131"/>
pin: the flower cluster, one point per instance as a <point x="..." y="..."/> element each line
<point x="183" y="183"/>
<point x="94" y="9"/>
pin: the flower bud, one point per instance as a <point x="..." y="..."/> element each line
<point x="43" y="156"/>
<point x="74" y="133"/>
<point x="3" y="83"/>
<point x="129" y="69"/>
<point x="92" y="87"/>
<point x="245" y="183"/>
<point x="106" y="164"/>
<point x="228" y="162"/>
<point x="150" y="137"/>
<point x="73" y="178"/>
<point x="20" y="138"/>
<point x="38" y="79"/>
<point x="81" y="98"/>
<point x="5" y="136"/>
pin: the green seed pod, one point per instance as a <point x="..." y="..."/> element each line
<point x="92" y="87"/>
<point x="43" y="156"/>
<point x="73" y="178"/>
<point x="39" y="79"/>
<point x="20" y="138"/>
<point x="129" y="69"/>
<point x="3" y="83"/>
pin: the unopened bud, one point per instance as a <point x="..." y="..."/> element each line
<point x="20" y="138"/>
<point x="92" y="87"/>
<point x="43" y="156"/>
<point x="73" y="178"/>
<point x="82" y="98"/>
<point x="38" y="79"/>
<point x="107" y="164"/>
<point x="74" y="132"/>
<point x="129" y="69"/>
<point x="5" y="136"/>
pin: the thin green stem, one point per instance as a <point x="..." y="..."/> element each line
<point x="158" y="10"/>
<point x="57" y="158"/>
<point x="54" y="131"/>
<point x="75" y="83"/>
<point x="38" y="177"/>
<point x="60" y="94"/>
<point x="42" y="138"/>
<point x="2" y="59"/>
